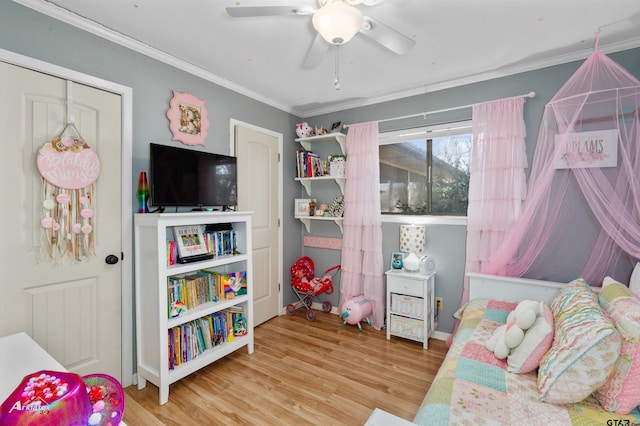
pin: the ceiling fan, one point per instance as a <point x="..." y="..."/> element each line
<point x="336" y="21"/>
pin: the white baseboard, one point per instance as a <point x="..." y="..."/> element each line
<point x="438" y="335"/>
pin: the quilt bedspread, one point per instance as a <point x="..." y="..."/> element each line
<point x="474" y="388"/>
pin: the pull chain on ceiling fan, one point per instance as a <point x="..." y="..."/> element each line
<point x="336" y="79"/>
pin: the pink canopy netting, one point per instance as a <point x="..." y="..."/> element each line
<point x="588" y="145"/>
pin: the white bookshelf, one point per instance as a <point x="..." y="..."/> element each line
<point x="151" y="233"/>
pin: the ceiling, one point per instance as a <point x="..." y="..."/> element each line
<point x="457" y="42"/>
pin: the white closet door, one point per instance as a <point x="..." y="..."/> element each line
<point x="72" y="310"/>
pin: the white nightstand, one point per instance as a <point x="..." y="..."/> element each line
<point x="410" y="305"/>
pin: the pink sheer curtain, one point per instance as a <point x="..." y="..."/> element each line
<point x="362" y="263"/>
<point x="600" y="96"/>
<point x="497" y="184"/>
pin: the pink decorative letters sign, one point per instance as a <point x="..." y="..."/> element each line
<point x="587" y="149"/>
<point x="322" y="242"/>
<point x="69" y="168"/>
<point x="188" y="120"/>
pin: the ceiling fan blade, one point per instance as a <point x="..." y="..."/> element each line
<point x="316" y="52"/>
<point x="392" y="39"/>
<point x="249" y="11"/>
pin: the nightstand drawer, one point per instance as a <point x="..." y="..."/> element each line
<point x="407" y="305"/>
<point x="409" y="328"/>
<point x="405" y="286"/>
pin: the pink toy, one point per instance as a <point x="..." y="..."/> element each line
<point x="51" y="398"/>
<point x="303" y="130"/>
<point x="355" y="310"/>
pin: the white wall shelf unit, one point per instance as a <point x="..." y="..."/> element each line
<point x="341" y="138"/>
<point x="306" y="182"/>
<point x="306" y="143"/>
<point x="151" y="233"/>
<point x="306" y="220"/>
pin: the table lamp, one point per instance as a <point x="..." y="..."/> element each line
<point x="412" y="239"/>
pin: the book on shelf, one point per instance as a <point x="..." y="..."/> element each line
<point x="198" y="289"/>
<point x="222" y="242"/>
<point x="190" y="340"/>
<point x="187" y="353"/>
<point x="215" y="282"/>
<point x="309" y="164"/>
<point x="212" y="284"/>
<point x="217" y="243"/>
<point x="172" y="253"/>
<point x="186" y="292"/>
<point x="300" y="168"/>
<point x="190" y="240"/>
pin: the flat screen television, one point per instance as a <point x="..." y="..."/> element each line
<point x="188" y="178"/>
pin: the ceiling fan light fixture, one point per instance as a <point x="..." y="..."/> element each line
<point x="337" y="22"/>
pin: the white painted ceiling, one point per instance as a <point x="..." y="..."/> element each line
<point x="457" y="42"/>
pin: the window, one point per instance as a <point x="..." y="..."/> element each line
<point x="425" y="171"/>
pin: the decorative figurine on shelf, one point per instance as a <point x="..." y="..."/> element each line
<point x="337" y="206"/>
<point x="324" y="210"/>
<point x="177" y="308"/>
<point x="411" y="263"/>
<point x="303" y="130"/>
<point x="397" y="260"/>
<point x="240" y="326"/>
<point x="337" y="164"/>
<point x="312" y="207"/>
<point x="355" y="310"/>
<point x="143" y="193"/>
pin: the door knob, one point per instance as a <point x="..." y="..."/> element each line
<point x="112" y="259"/>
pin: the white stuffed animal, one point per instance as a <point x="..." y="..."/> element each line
<point x="508" y="336"/>
<point x="496" y="343"/>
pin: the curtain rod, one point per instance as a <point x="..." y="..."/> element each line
<point x="529" y="95"/>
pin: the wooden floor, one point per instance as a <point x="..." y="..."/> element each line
<point x="301" y="372"/>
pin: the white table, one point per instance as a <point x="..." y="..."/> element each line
<point x="20" y="356"/>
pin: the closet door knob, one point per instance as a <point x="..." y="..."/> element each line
<point x="112" y="259"/>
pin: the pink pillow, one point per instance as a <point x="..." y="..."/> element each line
<point x="621" y="392"/>
<point x="538" y="338"/>
<point x="585" y="347"/>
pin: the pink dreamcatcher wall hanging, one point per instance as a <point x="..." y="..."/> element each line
<point x="69" y="168"/>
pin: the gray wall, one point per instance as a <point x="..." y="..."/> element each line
<point x="447" y="242"/>
<point x="32" y="34"/>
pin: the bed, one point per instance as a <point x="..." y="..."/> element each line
<point x="473" y="387"/>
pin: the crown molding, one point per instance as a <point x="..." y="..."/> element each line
<point x="489" y="75"/>
<point x="64" y="15"/>
<point x="68" y="17"/>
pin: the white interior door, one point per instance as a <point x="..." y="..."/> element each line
<point x="73" y="310"/>
<point x="259" y="191"/>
